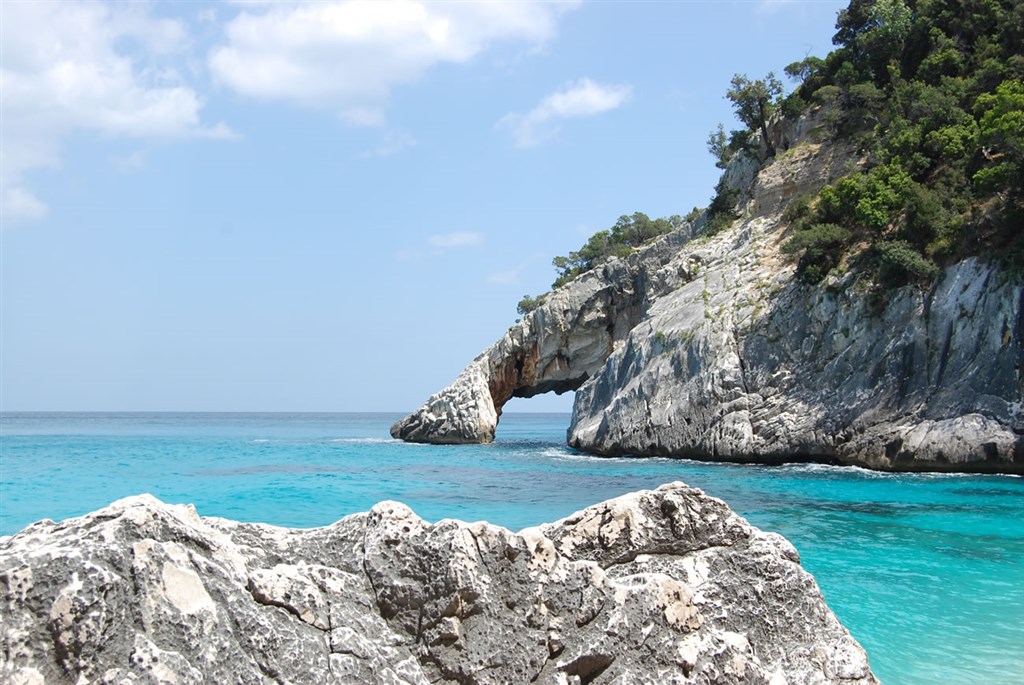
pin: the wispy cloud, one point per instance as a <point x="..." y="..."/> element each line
<point x="582" y="98"/>
<point x="438" y="245"/>
<point x="20" y="205"/>
<point x="505" y="276"/>
<point x="364" y="116"/>
<point x="391" y="143"/>
<point x="769" y="6"/>
<point x="457" y="239"/>
<point x="514" y="275"/>
<point x="133" y="161"/>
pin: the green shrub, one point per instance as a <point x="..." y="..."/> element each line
<point x="628" y="233"/>
<point x="528" y="304"/>
<point x="827" y="95"/>
<point x="793" y="105"/>
<point x="899" y="263"/>
<point x="797" y="210"/>
<point x="820" y="247"/>
<point x="722" y="210"/>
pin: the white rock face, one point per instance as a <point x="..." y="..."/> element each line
<point x="709" y="348"/>
<point x="665" y="586"/>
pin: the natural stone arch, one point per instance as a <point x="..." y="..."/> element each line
<point x="554" y="348"/>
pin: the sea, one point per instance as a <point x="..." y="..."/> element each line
<point x="926" y="570"/>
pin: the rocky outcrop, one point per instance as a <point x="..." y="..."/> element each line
<point x="930" y="381"/>
<point x="664" y="586"/>
<point x="557" y="347"/>
<point x="730" y="357"/>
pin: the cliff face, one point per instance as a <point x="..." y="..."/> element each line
<point x="712" y="349"/>
<point x="664" y="586"/>
<point x="557" y="347"/>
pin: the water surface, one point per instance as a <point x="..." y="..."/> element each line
<point x="927" y="571"/>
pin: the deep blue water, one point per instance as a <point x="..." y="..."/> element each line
<point x="927" y="571"/>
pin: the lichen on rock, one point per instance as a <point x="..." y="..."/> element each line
<point x="665" y="586"/>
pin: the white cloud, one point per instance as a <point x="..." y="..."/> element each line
<point x="86" y="66"/>
<point x="514" y="275"/>
<point x="772" y="5"/>
<point x="580" y="99"/>
<point x="769" y="6"/>
<point x="457" y="239"/>
<point x="18" y="204"/>
<point x="408" y="255"/>
<point x="349" y="55"/>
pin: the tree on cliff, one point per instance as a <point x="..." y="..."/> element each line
<point x="628" y="233"/>
<point x="932" y="95"/>
<point x="755" y="101"/>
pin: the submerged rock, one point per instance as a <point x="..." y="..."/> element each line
<point x="665" y="586"/>
<point x="709" y="347"/>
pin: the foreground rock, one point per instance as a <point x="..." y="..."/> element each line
<point x="708" y="347"/>
<point x="665" y="586"/>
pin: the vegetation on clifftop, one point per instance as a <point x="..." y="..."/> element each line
<point x="932" y="94"/>
<point x="628" y="233"/>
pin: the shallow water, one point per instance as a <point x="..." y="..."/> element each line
<point x="927" y="571"/>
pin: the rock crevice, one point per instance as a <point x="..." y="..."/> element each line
<point x="650" y="587"/>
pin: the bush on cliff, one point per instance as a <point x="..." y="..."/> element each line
<point x="932" y="93"/>
<point x="628" y="233"/>
<point x="528" y="304"/>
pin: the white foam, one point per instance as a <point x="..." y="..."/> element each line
<point x="365" y="441"/>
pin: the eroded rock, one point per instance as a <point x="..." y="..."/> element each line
<point x="555" y="348"/>
<point x="664" y="586"/>
<point x="710" y="348"/>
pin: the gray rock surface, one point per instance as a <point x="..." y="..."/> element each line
<point x="665" y="586"/>
<point x="557" y="347"/>
<point x="712" y="349"/>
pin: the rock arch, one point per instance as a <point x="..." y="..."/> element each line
<point x="555" y="348"/>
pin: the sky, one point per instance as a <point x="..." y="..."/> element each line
<point x="333" y="206"/>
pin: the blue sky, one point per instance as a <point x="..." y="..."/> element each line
<point x="333" y="206"/>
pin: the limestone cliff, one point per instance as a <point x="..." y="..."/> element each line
<point x="708" y="347"/>
<point x="665" y="586"/>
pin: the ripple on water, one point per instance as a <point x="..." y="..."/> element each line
<point x="927" y="570"/>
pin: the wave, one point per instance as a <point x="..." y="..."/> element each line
<point x="836" y="469"/>
<point x="813" y="467"/>
<point x="569" y="454"/>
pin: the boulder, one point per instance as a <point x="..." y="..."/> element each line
<point x="665" y="586"/>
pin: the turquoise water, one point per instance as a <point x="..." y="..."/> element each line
<point x="926" y="571"/>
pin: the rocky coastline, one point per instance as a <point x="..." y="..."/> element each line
<point x="665" y="586"/>
<point x="709" y="347"/>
